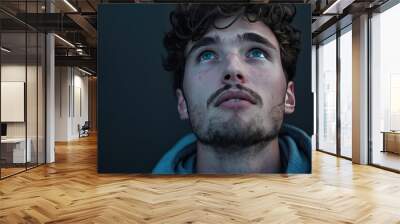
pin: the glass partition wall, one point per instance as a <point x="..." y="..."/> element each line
<point x="22" y="88"/>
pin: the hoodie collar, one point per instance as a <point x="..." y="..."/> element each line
<point x="294" y="146"/>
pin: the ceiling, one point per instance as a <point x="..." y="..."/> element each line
<point x="76" y="22"/>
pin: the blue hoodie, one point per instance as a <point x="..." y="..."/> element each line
<point x="294" y="145"/>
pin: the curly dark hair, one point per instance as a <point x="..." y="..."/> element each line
<point x="192" y="21"/>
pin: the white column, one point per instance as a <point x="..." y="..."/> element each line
<point x="314" y="91"/>
<point x="50" y="93"/>
<point x="360" y="90"/>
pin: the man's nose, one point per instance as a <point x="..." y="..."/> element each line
<point x="233" y="72"/>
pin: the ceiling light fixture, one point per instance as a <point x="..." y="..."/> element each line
<point x="337" y="7"/>
<point x="70" y="5"/>
<point x="65" y="41"/>
<point x="5" y="50"/>
<point x="326" y="11"/>
<point x="84" y="71"/>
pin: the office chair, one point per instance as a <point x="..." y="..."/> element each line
<point x="84" y="130"/>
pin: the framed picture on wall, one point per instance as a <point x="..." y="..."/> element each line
<point x="205" y="88"/>
<point x="12" y="101"/>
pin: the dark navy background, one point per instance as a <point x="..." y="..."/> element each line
<point x="137" y="113"/>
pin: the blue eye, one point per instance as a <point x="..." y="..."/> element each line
<point x="206" y="56"/>
<point x="256" y="53"/>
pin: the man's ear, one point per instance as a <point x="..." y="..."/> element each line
<point x="182" y="106"/>
<point x="290" y="99"/>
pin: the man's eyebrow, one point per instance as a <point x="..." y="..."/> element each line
<point x="205" y="41"/>
<point x="253" y="37"/>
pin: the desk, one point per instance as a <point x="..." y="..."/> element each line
<point x="15" y="148"/>
<point x="391" y="141"/>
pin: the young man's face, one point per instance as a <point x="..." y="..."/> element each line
<point x="235" y="91"/>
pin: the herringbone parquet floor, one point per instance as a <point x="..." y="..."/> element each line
<point x="71" y="191"/>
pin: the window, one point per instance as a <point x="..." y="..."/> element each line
<point x="346" y="92"/>
<point x="385" y="88"/>
<point x="327" y="95"/>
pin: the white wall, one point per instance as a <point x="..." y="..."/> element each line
<point x="61" y="103"/>
<point x="81" y="104"/>
<point x="17" y="73"/>
<point x="70" y="84"/>
<point x="10" y="73"/>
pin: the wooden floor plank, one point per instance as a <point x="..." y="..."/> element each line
<point x="71" y="191"/>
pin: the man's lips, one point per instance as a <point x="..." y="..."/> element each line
<point x="238" y="95"/>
